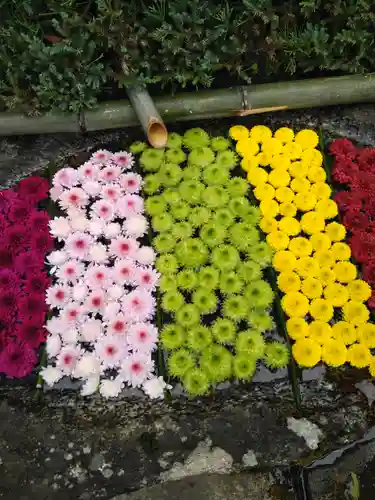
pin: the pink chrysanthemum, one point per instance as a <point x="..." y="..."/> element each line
<point x="71" y="271"/>
<point x="123" y="247"/>
<point x="111" y="192"/>
<point x="79" y="292"/>
<point x="123" y="159"/>
<point x="137" y="368"/>
<point x="98" y="254"/>
<point x="67" y="359"/>
<point x="110" y="173"/>
<point x="55" y="326"/>
<point x="138" y="305"/>
<point x="101" y="156"/>
<point x="129" y="205"/>
<point x="124" y="271"/>
<point x="67" y="177"/>
<point x="57" y="295"/>
<point x="98" y="277"/>
<point x="131" y="182"/>
<point x="115" y="292"/>
<point x="111" y="310"/>
<point x="55" y="192"/>
<point x="88" y="171"/>
<point x="92" y="188"/>
<point x="111" y="350"/>
<point x="146" y="256"/>
<point x="104" y="209"/>
<point x="146" y="278"/>
<point x="79" y="223"/>
<point x="60" y="228"/>
<point x="91" y="330"/>
<point x="96" y="301"/>
<point x="142" y="337"/>
<point x="72" y="313"/>
<point x="57" y="257"/>
<point x="73" y="198"/>
<point x="96" y="226"/>
<point x="135" y="226"/>
<point x="117" y="325"/>
<point x="78" y="245"/>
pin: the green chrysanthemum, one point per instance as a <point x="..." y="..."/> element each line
<point x="167" y="283"/>
<point x="219" y="143"/>
<point x="215" y="175"/>
<point x="152" y="183"/>
<point x="250" y="342"/>
<point x="188" y="316"/>
<point x="216" y="361"/>
<point x="215" y="196"/>
<point x="180" y="210"/>
<point x="196" y="138"/>
<point x="187" y="279"/>
<point x="208" y="277"/>
<point x="261" y="253"/>
<point x="170" y="174"/>
<point x="249" y="271"/>
<point x="213" y="235"/>
<point x="244" y="236"/>
<point x="237" y="186"/>
<point x="199" y="338"/>
<point x="192" y="173"/>
<point x="164" y="243"/>
<point x="172" y="337"/>
<point x="252" y="217"/>
<point x="162" y="222"/>
<point x="260" y="320"/>
<point x="151" y="159"/>
<point x="172" y="301"/>
<point x="137" y="147"/>
<point x="227" y="159"/>
<point x="224" y="331"/>
<point x="235" y="307"/>
<point x="223" y="217"/>
<point x="230" y="283"/>
<point x="155" y="205"/>
<point x="171" y="196"/>
<point x="201" y="157"/>
<point x="175" y="156"/>
<point x="225" y="257"/>
<point x="182" y="230"/>
<point x="240" y="206"/>
<point x="244" y="367"/>
<point x="166" y="264"/>
<point x="191" y="252"/>
<point x="199" y="216"/>
<point x="259" y="294"/>
<point x="196" y="382"/>
<point x="180" y="362"/>
<point x="276" y="355"/>
<point x="174" y="140"/>
<point x="204" y="300"/>
<point x="191" y="191"/>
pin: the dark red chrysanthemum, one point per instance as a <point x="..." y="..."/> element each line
<point x="354" y="219"/>
<point x="348" y="200"/>
<point x="19" y="211"/>
<point x="33" y="304"/>
<point x="37" y="283"/>
<point x="30" y="332"/>
<point x="344" y="171"/>
<point x="369" y="273"/>
<point x="6" y="256"/>
<point x="17" y="360"/>
<point x="366" y="158"/>
<point x="38" y="221"/>
<point x="16" y="238"/>
<point x="42" y="242"/>
<point x="27" y="262"/>
<point x="9" y="299"/>
<point x="343" y="148"/>
<point x="9" y="279"/>
<point x="33" y="188"/>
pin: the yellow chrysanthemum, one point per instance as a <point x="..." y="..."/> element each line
<point x="366" y="334"/>
<point x="298" y="170"/>
<point x="326" y="276"/>
<point x="288" y="209"/>
<point x="268" y="224"/>
<point x="284" y="260"/>
<point x="359" y="355"/>
<point x="325" y="258"/>
<point x="290" y="226"/>
<point x="337" y="294"/>
<point x="334" y="352"/>
<point x="341" y="251"/>
<point x="264" y="159"/>
<point x="312" y="288"/>
<point x="284" y="194"/>
<point x="295" y="304"/>
<point x="307" y="267"/>
<point x="257" y="176"/>
<point x="355" y="312"/>
<point x="272" y="146"/>
<point x="264" y="192"/>
<point x="284" y="134"/>
<point x="371" y="366"/>
<point x="247" y="147"/>
<point x="238" y="132"/>
<point x="307" y="139"/>
<point x="320" y="331"/>
<point x="312" y="222"/>
<point x="359" y="290"/>
<point x="345" y="271"/>
<point x="250" y="162"/>
<point x="321" y="309"/>
<point x="313" y="157"/>
<point x="260" y="133"/>
<point x="317" y="174"/>
<point x="307" y="352"/>
<point x="336" y="231"/>
<point x="344" y="331"/>
<point x="288" y="282"/>
<point x="279" y="178"/>
<point x="297" y="328"/>
<point x="321" y="190"/>
<point x="300" y="185"/>
<point x="305" y="201"/>
<point x="280" y="161"/>
<point x="293" y="150"/>
<point x="277" y="240"/>
<point x="328" y="208"/>
<point x="320" y="242"/>
<point x="269" y="208"/>
<point x="300" y="247"/>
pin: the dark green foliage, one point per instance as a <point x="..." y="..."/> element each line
<point x="66" y="53"/>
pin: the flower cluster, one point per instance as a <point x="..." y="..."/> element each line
<point x="102" y="300"/>
<point x="323" y="299"/>
<point x="355" y="169"/>
<point x="24" y="241"/>
<point x="211" y="262"/>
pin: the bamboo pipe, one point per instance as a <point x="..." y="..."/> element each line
<point x="238" y="101"/>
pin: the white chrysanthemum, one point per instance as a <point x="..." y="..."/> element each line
<point x="80" y="223"/>
<point x="155" y="387"/>
<point x="98" y="253"/>
<point x="110" y="388"/>
<point x="53" y="345"/>
<point x="112" y="230"/>
<point x="51" y="375"/>
<point x="87" y="366"/>
<point x="136" y="226"/>
<point x="57" y="257"/>
<point x="60" y="227"/>
<point x="91" y="330"/>
<point x="90" y="386"/>
<point x="146" y="256"/>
